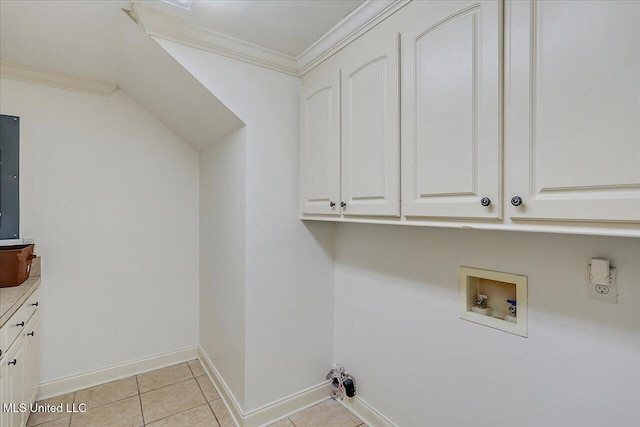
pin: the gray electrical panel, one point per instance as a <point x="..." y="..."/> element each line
<point x="9" y="177"/>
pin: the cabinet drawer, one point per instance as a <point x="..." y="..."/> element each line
<point x="11" y="330"/>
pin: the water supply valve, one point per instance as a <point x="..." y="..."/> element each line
<point x="512" y="306"/>
<point x="342" y="384"/>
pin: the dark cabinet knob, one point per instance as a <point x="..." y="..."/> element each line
<point x="516" y="201"/>
<point x="21" y="324"/>
<point x="35" y="304"/>
<point x="32" y="333"/>
<point x="0" y="352"/>
<point x="13" y="362"/>
<point x="485" y="201"/>
<point x="343" y="204"/>
<point x="332" y="204"/>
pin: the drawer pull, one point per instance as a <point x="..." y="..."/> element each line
<point x="21" y="324"/>
<point x="32" y="333"/>
<point x="35" y="304"/>
<point x="14" y="362"/>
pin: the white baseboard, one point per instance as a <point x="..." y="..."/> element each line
<point x="271" y="412"/>
<point x="259" y="417"/>
<point x="101" y="376"/>
<point x="286" y="406"/>
<point x="366" y="413"/>
<point x="223" y="389"/>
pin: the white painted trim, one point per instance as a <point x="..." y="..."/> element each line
<point x="169" y="27"/>
<point x="281" y="408"/>
<point x="366" y="412"/>
<point x="358" y="22"/>
<point x="221" y="386"/>
<point x="55" y="79"/>
<point x="101" y="376"/>
<point x="271" y="412"/>
<point x="354" y="25"/>
<point x="555" y="227"/>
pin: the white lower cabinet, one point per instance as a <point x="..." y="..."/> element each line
<point x="15" y="369"/>
<point x="19" y="366"/>
<point x="32" y="359"/>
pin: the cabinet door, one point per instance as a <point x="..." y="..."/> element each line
<point x="14" y="366"/>
<point x="4" y="396"/>
<point x="32" y="358"/>
<point x="451" y="109"/>
<point x="370" y="126"/>
<point x="320" y="147"/>
<point x="573" y="110"/>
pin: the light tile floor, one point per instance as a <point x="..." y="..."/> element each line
<point x="176" y="396"/>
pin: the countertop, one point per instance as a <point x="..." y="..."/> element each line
<point x="12" y="298"/>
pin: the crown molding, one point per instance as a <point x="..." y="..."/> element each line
<point x="358" y="22"/>
<point x="169" y="27"/>
<point x="55" y="79"/>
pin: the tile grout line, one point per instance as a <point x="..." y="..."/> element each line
<point x="109" y="403"/>
<point x="165" y="386"/>
<point x="202" y="391"/>
<point x="101" y="405"/>
<point x="193" y="373"/>
<point x="120" y="379"/>
<point x="189" y="366"/>
<point x="171" y="366"/>
<point x="214" y="414"/>
<point x="74" y="400"/>
<point x="139" y="395"/>
<point x="140" y="400"/>
<point x="193" y="377"/>
<point x="180" y="412"/>
<point x="54" y="419"/>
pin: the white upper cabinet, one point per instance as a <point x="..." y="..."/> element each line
<point x="516" y="114"/>
<point x="320" y="146"/>
<point x="370" y="126"/>
<point x="451" y="109"/>
<point x="573" y="110"/>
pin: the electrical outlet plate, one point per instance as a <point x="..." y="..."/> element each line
<point x="604" y="293"/>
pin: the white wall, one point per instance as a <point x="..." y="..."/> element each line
<point x="398" y="329"/>
<point x="222" y="257"/>
<point x="289" y="266"/>
<point x="111" y="197"/>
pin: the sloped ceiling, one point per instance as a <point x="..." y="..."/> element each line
<point x="81" y="37"/>
<point x="159" y="83"/>
<point x="73" y="37"/>
<point x="96" y="39"/>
